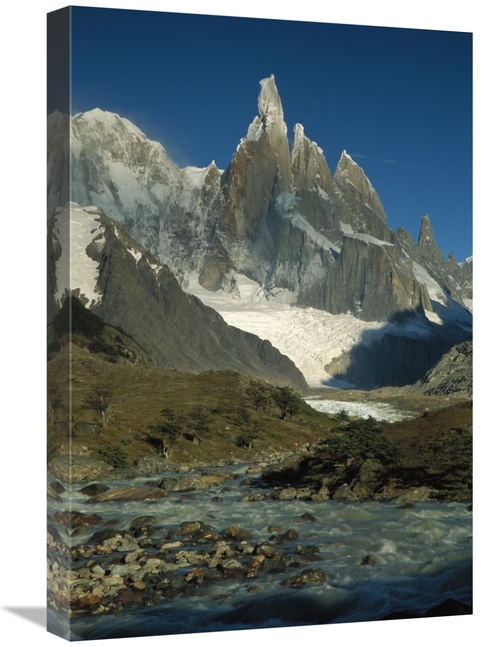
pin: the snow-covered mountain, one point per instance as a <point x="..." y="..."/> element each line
<point x="278" y="220"/>
<point x="93" y="258"/>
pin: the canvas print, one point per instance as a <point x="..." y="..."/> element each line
<point x="259" y="342"/>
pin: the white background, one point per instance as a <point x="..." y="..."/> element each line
<point x="22" y="320"/>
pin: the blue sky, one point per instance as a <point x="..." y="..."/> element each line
<point x="398" y="100"/>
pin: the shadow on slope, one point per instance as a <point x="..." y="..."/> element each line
<point x="398" y="354"/>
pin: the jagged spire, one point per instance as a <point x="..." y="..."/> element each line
<point x="426" y="238"/>
<point x="269" y="103"/>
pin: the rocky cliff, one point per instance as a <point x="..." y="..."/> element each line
<point x="277" y="216"/>
<point x="126" y="286"/>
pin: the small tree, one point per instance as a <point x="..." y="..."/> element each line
<point x="167" y="431"/>
<point x="55" y="402"/>
<point x="261" y="395"/>
<point x="100" y="400"/>
<point x="360" y="440"/>
<point x="198" y="420"/>
<point x="246" y="438"/>
<point x="288" y="401"/>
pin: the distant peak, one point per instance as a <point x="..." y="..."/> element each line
<point x="270" y="108"/>
<point x="426" y="235"/>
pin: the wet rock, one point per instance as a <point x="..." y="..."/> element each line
<point x="232" y="565"/>
<point x="74" y="519"/>
<point x="255" y="588"/>
<point x="255" y="469"/>
<point x="306" y="578"/>
<point x="53" y="533"/>
<point x="369" y="560"/>
<point x="196" y="574"/>
<point x="257" y="562"/>
<point x="268" y="551"/>
<point x="288" y="494"/>
<point x="289" y="535"/>
<point x="275" y="530"/>
<point x="129" y="597"/>
<point x="252" y="573"/>
<point x="307" y="518"/>
<point x="94" y="489"/>
<point x="418" y="494"/>
<point x="52" y="494"/>
<point x="255" y="496"/>
<point x="124" y="570"/>
<point x="57" y="487"/>
<point x="194" y="482"/>
<point x="344" y="493"/>
<point x="129" y="493"/>
<point x="308" y="553"/>
<point x="234" y="532"/>
<point x="102" y="535"/>
<point x="323" y="494"/>
<point x="406" y="506"/>
<point x="139" y="522"/>
<point x="193" y="527"/>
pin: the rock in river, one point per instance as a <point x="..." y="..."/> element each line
<point x="129" y="494"/>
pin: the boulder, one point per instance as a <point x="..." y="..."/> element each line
<point x="344" y="493"/>
<point x="84" y="427"/>
<point x="422" y="493"/>
<point x="94" y="489"/>
<point x="129" y="493"/>
<point x="78" y="469"/>
<point x="151" y="464"/>
<point x="306" y="578"/>
<point x="234" y="532"/>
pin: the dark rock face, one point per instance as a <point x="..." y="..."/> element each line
<point x="144" y="298"/>
<point x="411" y="357"/>
<point x="452" y="375"/>
<point x="277" y="216"/>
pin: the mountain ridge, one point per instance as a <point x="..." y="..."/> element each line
<point x="276" y="216"/>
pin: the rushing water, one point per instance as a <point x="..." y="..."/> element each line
<point x="377" y="410"/>
<point x="423" y="557"/>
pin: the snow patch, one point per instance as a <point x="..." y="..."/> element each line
<point x="377" y="410"/>
<point x="75" y="228"/>
<point x="287" y="204"/>
<point x="309" y="337"/>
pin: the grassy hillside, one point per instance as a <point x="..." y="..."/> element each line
<point x="216" y="412"/>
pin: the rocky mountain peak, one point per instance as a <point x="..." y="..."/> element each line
<point x="426" y="234"/>
<point x="349" y="172"/>
<point x="359" y="203"/>
<point x="269" y="103"/>
<point x="427" y="244"/>
<point x="309" y="165"/>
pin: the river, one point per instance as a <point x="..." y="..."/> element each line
<point x="418" y="557"/>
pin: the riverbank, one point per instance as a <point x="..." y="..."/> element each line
<point x="216" y="557"/>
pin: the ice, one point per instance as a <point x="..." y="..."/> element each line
<point x="311" y="338"/>
<point x="75" y="228"/>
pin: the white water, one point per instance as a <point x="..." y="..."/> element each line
<point x="424" y="557"/>
<point x="377" y="410"/>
